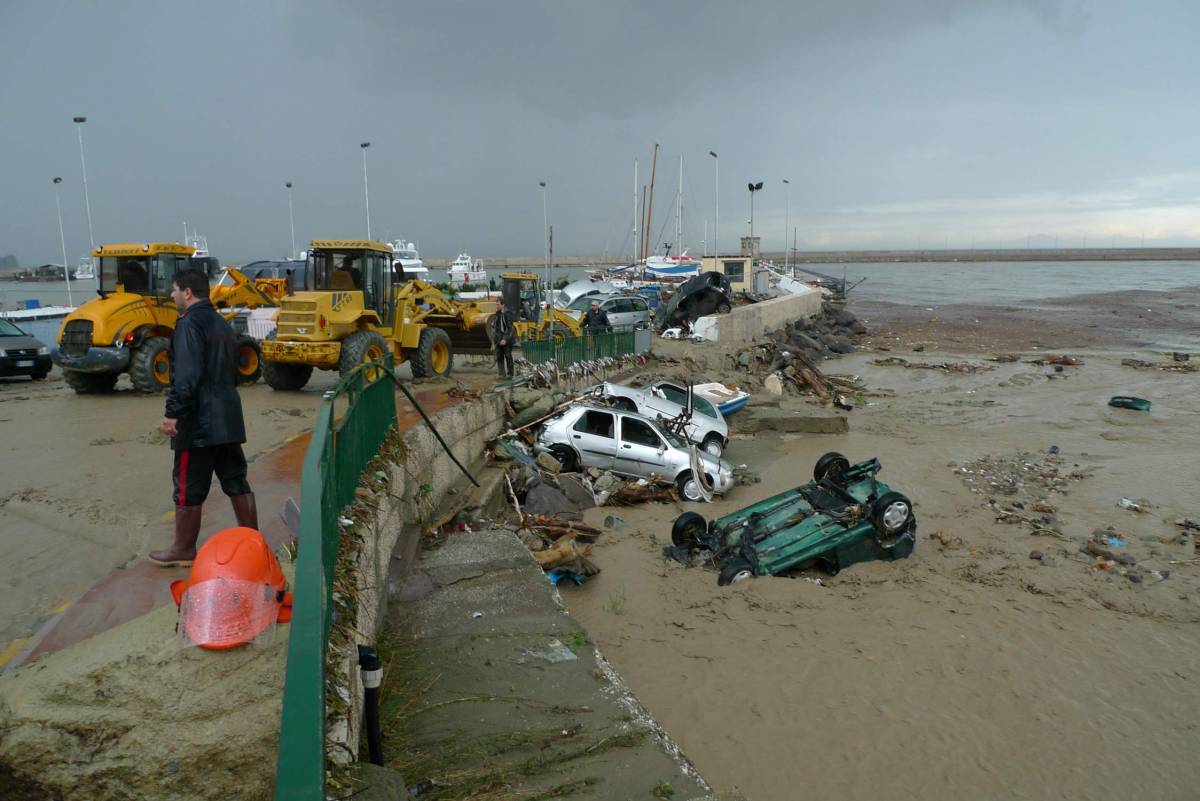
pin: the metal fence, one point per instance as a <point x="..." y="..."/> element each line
<point x="619" y="341"/>
<point x="340" y="449"/>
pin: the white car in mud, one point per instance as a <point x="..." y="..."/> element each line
<point x="707" y="427"/>
<point x="589" y="435"/>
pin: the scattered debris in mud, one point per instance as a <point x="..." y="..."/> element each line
<point x="1173" y="366"/>
<point x="1031" y="481"/>
<point x="945" y="367"/>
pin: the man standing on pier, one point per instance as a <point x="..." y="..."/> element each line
<point x="503" y="336"/>
<point x="203" y="417"/>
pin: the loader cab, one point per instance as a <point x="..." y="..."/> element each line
<point x="141" y="269"/>
<point x="354" y="266"/>
<point x="521" y="297"/>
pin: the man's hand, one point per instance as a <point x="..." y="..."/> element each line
<point x="503" y="342"/>
<point x="169" y="426"/>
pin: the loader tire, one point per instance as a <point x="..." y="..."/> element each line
<point x="149" y="367"/>
<point x="363" y="347"/>
<point x="90" y="383"/>
<point x="434" y="355"/>
<point x="286" y="377"/>
<point x="248" y="358"/>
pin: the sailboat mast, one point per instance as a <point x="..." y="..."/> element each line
<point x="679" y="212"/>
<point x="650" y="203"/>
<point x="645" y="227"/>
<point x="635" y="243"/>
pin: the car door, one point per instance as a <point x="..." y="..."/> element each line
<point x="618" y="311"/>
<point x="665" y="399"/>
<point x="640" y="450"/>
<point x="594" y="436"/>
<point x="639" y="312"/>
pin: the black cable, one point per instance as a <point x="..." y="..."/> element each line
<point x="432" y="428"/>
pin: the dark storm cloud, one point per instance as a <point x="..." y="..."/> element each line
<point x="891" y="120"/>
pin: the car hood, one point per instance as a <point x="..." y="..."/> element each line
<point x="23" y="342"/>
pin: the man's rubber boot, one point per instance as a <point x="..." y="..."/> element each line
<point x="187" y="531"/>
<point x="245" y="510"/>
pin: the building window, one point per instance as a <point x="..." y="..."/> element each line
<point x="734" y="270"/>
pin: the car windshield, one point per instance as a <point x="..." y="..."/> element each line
<point x="7" y="329"/>
<point x="676" y="441"/>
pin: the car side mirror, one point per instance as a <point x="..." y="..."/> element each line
<point x="662" y="449"/>
<point x="657" y="392"/>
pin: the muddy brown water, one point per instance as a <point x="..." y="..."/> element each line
<point x="966" y="672"/>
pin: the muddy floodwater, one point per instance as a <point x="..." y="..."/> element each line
<point x="969" y="670"/>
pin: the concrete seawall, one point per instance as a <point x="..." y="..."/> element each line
<point x="745" y="323"/>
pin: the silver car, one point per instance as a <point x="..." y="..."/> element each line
<point x="589" y="435"/>
<point x="622" y="310"/>
<point x="707" y="427"/>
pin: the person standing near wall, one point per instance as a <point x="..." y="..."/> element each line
<point x="203" y="417"/>
<point x="503" y="335"/>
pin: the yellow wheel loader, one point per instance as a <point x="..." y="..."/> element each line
<point x="361" y="307"/>
<point x="234" y="288"/>
<point x="530" y="320"/>
<point x="128" y="328"/>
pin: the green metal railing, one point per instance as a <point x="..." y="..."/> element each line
<point x="620" y="341"/>
<point x="340" y="449"/>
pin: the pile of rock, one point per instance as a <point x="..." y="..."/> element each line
<point x="835" y="331"/>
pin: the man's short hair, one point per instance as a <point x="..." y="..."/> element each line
<point x="195" y="280"/>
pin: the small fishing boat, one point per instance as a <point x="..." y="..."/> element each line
<point x="728" y="399"/>
<point x="85" y="270"/>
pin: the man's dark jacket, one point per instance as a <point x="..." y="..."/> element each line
<point x="203" y="395"/>
<point x="502" y="328"/>
<point x="596" y="318"/>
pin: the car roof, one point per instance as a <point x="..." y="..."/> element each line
<point x="600" y="407"/>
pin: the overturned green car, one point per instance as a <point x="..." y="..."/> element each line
<point x="843" y="516"/>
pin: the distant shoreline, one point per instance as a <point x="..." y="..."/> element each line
<point x="883" y="256"/>
<point x="852" y="257"/>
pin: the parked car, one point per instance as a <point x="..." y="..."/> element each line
<point x="704" y="294"/>
<point x="575" y="290"/>
<point x="707" y="427"/>
<point x="22" y="354"/>
<point x="588" y="435"/>
<point x="622" y="310"/>
<point x="843" y="516"/>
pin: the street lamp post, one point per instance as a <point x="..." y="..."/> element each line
<point x="753" y="188"/>
<point x="787" y="213"/>
<point x="292" y="217"/>
<point x="366" y="193"/>
<point x="79" y="121"/>
<point x="716" y="204"/>
<point x="62" y="241"/>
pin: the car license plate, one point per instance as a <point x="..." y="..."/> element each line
<point x="25" y="364"/>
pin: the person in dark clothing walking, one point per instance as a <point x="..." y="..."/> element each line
<point x="596" y="319"/>
<point x="203" y="417"/>
<point x="503" y="335"/>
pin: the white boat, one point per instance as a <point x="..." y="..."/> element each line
<point x="406" y="259"/>
<point x="727" y="399"/>
<point x="85" y="270"/>
<point x="680" y="266"/>
<point x="464" y="270"/>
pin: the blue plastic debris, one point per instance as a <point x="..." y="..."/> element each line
<point x="558" y="574"/>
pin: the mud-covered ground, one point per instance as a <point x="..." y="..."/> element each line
<point x="969" y="670"/>
<point x="86" y="485"/>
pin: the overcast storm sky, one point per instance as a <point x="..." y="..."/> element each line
<point x="898" y="123"/>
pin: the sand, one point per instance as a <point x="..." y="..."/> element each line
<point x="968" y="671"/>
